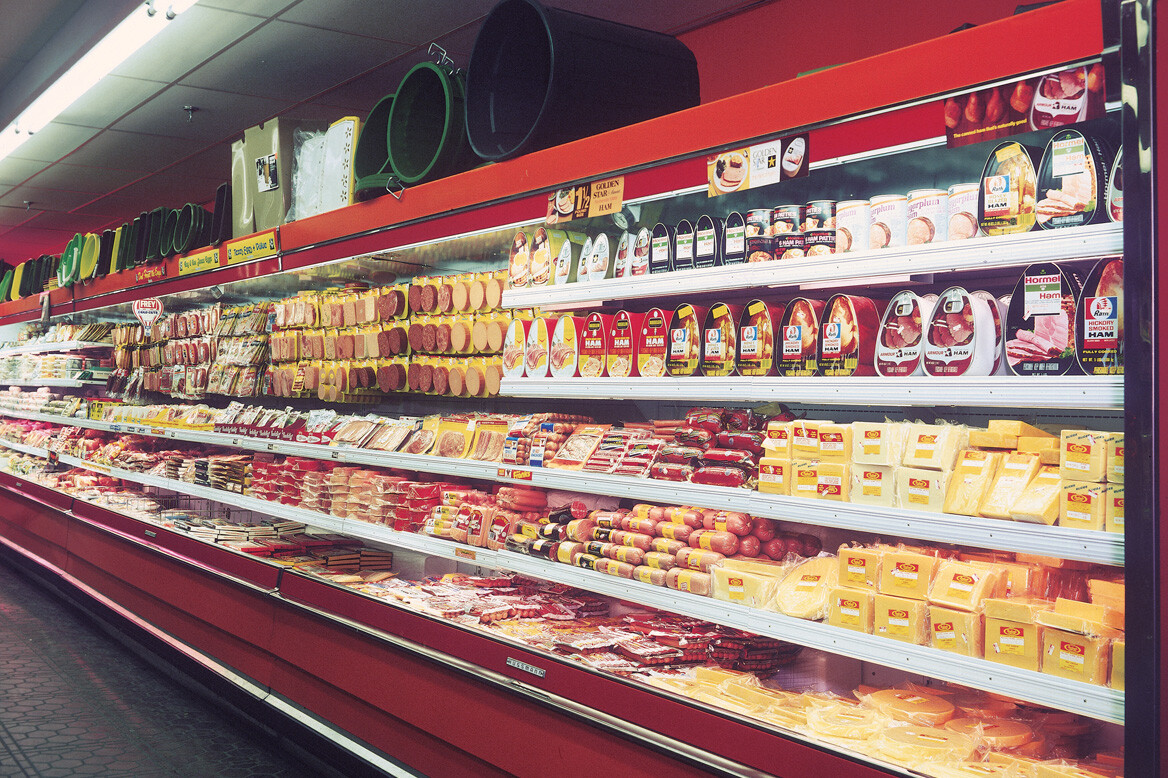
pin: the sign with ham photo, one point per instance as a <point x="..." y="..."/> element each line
<point x="1036" y="103"/>
<point x="759" y="165"/>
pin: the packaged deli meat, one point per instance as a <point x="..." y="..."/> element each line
<point x="928" y="216"/>
<point x="593" y="358"/>
<point x="683" y="245"/>
<point x="564" y="352"/>
<point x="887" y="221"/>
<point x="652" y="343"/>
<point x="515" y="348"/>
<point x="819" y="243"/>
<point x="548" y="248"/>
<point x="1099" y="320"/>
<point x="708" y="241"/>
<point x="851" y="225"/>
<point x="799" y="338"/>
<point x="998" y="307"/>
<point x="720" y="339"/>
<point x="959" y="336"/>
<point x="1115" y="190"/>
<point x="620" y="344"/>
<point x="962" y="210"/>
<point x="1040" y="323"/>
<point x="1064" y="98"/>
<point x="734" y="239"/>
<point x="756" y="338"/>
<point x="789" y="245"/>
<point x="519" y="265"/>
<point x="900" y="346"/>
<point x="1007" y="196"/>
<point x="819" y="215"/>
<point x="537" y="350"/>
<point x="787" y="218"/>
<point x="639" y="263"/>
<point x="570" y="257"/>
<point x="685" y="339"/>
<point x="661" y="245"/>
<point x="622" y="255"/>
<point x="1072" y="178"/>
<point x="847" y="336"/>
<point x="597" y="265"/>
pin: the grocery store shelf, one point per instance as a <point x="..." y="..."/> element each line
<point x="1062" y="542"/>
<point x="1089" y="700"/>
<point x="976" y="255"/>
<point x="1080" y="392"/>
<point x="65" y="382"/>
<point x="51" y="348"/>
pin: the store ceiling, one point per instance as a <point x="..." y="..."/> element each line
<point x="127" y="146"/>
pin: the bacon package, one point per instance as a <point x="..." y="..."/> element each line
<point x="901" y="343"/>
<point x="847" y="336"/>
<point x="799" y="329"/>
<point x="1099" y="320"/>
<point x="1040" y="334"/>
<point x="960" y="338"/>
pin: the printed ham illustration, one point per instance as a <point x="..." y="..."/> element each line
<point x="1051" y="336"/>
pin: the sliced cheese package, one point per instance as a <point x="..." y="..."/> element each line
<point x="774" y="475"/>
<point x="859" y="568"/>
<point x="902" y="619"/>
<point x="922" y="490"/>
<point x="851" y="609"/>
<point x="874" y="485"/>
<point x="1085" y="658"/>
<point x="1015" y="473"/>
<point x="1083" y="455"/>
<point x="777" y="442"/>
<point x="1115" y="457"/>
<point x="934" y="446"/>
<point x="835" y="442"/>
<point x="805" y="591"/>
<point x="878" y="443"/>
<point x="805" y="438"/>
<point x="907" y="573"/>
<point x="970" y="482"/>
<point x="961" y="632"/>
<point x="966" y="585"/>
<point x="745" y="588"/>
<point x="833" y="481"/>
<point x="1039" y="503"/>
<point x="1113" y="508"/>
<point x="1082" y="505"/>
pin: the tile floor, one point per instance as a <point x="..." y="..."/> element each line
<point x="75" y="702"/>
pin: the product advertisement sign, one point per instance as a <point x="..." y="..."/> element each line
<point x="1037" y="103"/>
<point x="759" y="165"/>
<point x="597" y="198"/>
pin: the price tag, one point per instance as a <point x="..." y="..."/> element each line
<point x="252" y="247"/>
<point x="517" y="475"/>
<point x="199" y="262"/>
<point x="464" y="553"/>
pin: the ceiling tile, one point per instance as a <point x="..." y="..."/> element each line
<point x="264" y="8"/>
<point x="410" y="21"/>
<point x="214" y="162"/>
<point x="20" y="243"/>
<point x="54" y="142"/>
<point x="160" y="191"/>
<point x="15" y="171"/>
<point x="70" y="222"/>
<point x="81" y="178"/>
<point x="131" y="151"/>
<point x="219" y="115"/>
<point x="364" y="92"/>
<point x="187" y="42"/>
<point x="117" y="206"/>
<point x="10" y="216"/>
<point x="109" y="100"/>
<point x="45" y="199"/>
<point x="279" y="60"/>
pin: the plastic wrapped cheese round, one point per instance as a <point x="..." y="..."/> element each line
<point x="842" y="720"/>
<point x="805" y="591"/>
<point x="995" y="733"/>
<point x="912" y="745"/>
<point x="973" y="770"/>
<point x="912" y="706"/>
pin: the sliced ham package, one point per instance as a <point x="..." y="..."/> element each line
<point x="900" y="345"/>
<point x="959" y="337"/>
<point x="1040" y="334"/>
<point x="1072" y="180"/>
<point x="1099" y="320"/>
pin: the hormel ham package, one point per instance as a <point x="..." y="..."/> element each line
<point x="799" y="338"/>
<point x="652" y="344"/>
<point x="1072" y="180"/>
<point x="756" y="338"/>
<point x="593" y="358"/>
<point x="1099" y="320"/>
<point x="847" y="336"/>
<point x="959" y="338"/>
<point x="1040" y="335"/>
<point x="620" y="344"/>
<point x="900" y="345"/>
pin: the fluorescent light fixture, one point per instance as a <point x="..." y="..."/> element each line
<point x="111" y="51"/>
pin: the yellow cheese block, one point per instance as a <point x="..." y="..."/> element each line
<point x="804" y="479"/>
<point x="746" y="690"/>
<point x="1118" y="664"/>
<point x="912" y="745"/>
<point x="1014" y="643"/>
<point x="778" y="440"/>
<point x="859" y="568"/>
<point x="1115" y="457"/>
<point x="786" y="718"/>
<point x="1039" y="503"/>
<point x="920" y="489"/>
<point x="995" y="733"/>
<point x="851" y="609"/>
<point x="805" y="438"/>
<point x="934" y="446"/>
<point x="721" y="701"/>
<point x="1083" y="617"/>
<point x="835" y="442"/>
<point x="1083" y="455"/>
<point x="1023" y="766"/>
<point x="774" y="475"/>
<point x="907" y="574"/>
<point x="805" y="592"/>
<point x="745" y="588"/>
<point x="901" y="619"/>
<point x="990" y="439"/>
<point x="715" y="675"/>
<point x="1017" y="428"/>
<point x="1113" y="508"/>
<point x="1016" y="608"/>
<point x="960" y="632"/>
<point x="878" y="443"/>
<point x="756" y="566"/>
<point x="1112" y="593"/>
<point x="1013" y="476"/>
<point x="1066" y="771"/>
<point x="1079" y="657"/>
<point x="970" y="482"/>
<point x="964" y="586"/>
<point x="1023" y="580"/>
<point x="1082" y="505"/>
<point x="912" y="706"/>
<point x="874" y="485"/>
<point x="1047" y="449"/>
<point x="833" y="481"/>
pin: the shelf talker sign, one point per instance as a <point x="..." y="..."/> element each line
<point x="148" y="310"/>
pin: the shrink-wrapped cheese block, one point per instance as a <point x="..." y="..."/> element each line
<point x="1115" y="457"/>
<point x="1039" y="503"/>
<point x="859" y="568"/>
<point x="970" y="481"/>
<point x="995" y="733"/>
<point x="1023" y="580"/>
<point x="746" y="588"/>
<point x="907" y="573"/>
<point x="1083" y="455"/>
<point x="874" y="485"/>
<point x="835" y="442"/>
<point x="833" y="481"/>
<point x="1083" y="617"/>
<point x="1085" y="658"/>
<point x="934" y="446"/>
<point x="961" y="632"/>
<point x="965" y="585"/>
<point x="971" y="770"/>
<point x="1082" y="505"/>
<point x="879" y="443"/>
<point x="901" y="619"/>
<point x="778" y="440"/>
<point x="804" y="479"/>
<point x="1046" y="449"/>
<point x="804" y="592"/>
<point x="1016" y="428"/>
<point x="1113" y="508"/>
<point x="805" y="438"/>
<point x="912" y="706"/>
<point x="851" y="609"/>
<point x="1118" y="665"/>
<point x="1012" y="635"/>
<point x="920" y="489"/>
<point x="990" y="439"/>
<point x="774" y="475"/>
<point x="913" y="745"/>
<point x="1016" y="472"/>
<point x="1110" y="593"/>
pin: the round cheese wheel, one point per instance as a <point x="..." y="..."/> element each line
<point x="844" y="721"/>
<point x="912" y="745"/>
<point x="996" y="733"/>
<point x="912" y="706"/>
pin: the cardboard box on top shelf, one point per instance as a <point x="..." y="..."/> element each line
<point x="242" y="196"/>
<point x="268" y="151"/>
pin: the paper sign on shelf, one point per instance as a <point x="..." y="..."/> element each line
<point x="198" y="262"/>
<point x="598" y="198"/>
<point x="762" y="164"/>
<point x="258" y="246"/>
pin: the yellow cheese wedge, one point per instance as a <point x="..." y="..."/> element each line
<point x="1083" y="455"/>
<point x="912" y="706"/>
<point x="965" y="586"/>
<point x="1014" y="643"/>
<point x="921" y="489"/>
<point x="1115" y="457"/>
<point x="1109" y="592"/>
<point x="1113" y="508"/>
<point x="995" y="733"/>
<point x="912" y="745"/>
<point x="1118" y="664"/>
<point x="805" y="479"/>
<point x="1083" y="617"/>
<point x="715" y="675"/>
<point x="874" y="485"/>
<point x="970" y="482"/>
<point x="934" y="446"/>
<point x="833" y="481"/>
<point x="851" y="609"/>
<point x="960" y="632"/>
<point x="907" y="574"/>
<point x="774" y="475"/>
<point x="748" y="692"/>
<point x="805" y="591"/>
<point x="835" y="442"/>
<point x="859" y="568"/>
<point x="1017" y="429"/>
<point x="991" y="439"/>
<point x="1039" y="503"/>
<point x="1014" y="474"/>
<point x="805" y="438"/>
<point x="1024" y="580"/>
<point x="1084" y="658"/>
<point x="745" y="588"/>
<point x="878" y="443"/>
<point x="901" y="619"/>
<point x="777" y="442"/>
<point x="1016" y="608"/>
<point x="1082" y="505"/>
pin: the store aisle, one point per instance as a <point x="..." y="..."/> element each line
<point x="75" y="702"/>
